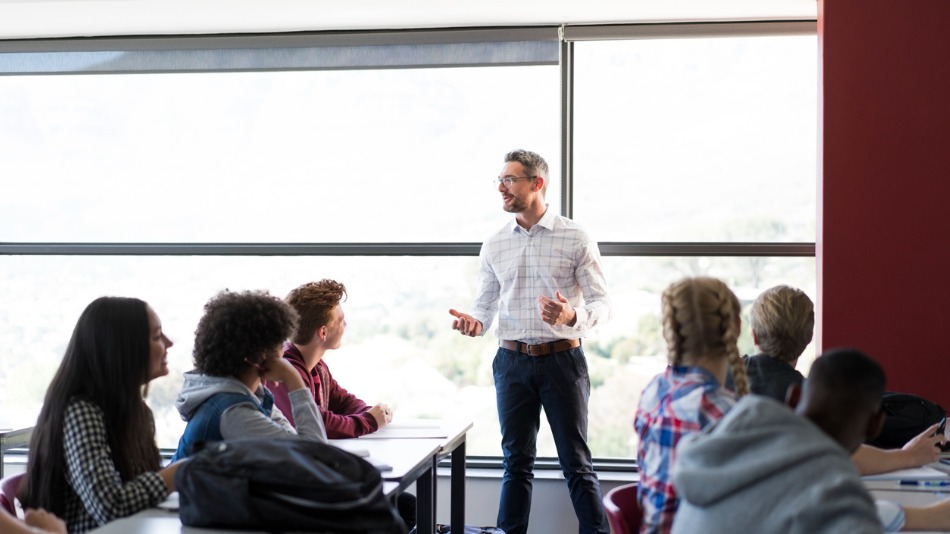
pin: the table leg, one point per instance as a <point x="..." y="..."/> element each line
<point x="458" y="489"/>
<point x="425" y="502"/>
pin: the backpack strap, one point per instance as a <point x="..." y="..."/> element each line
<point x="205" y="423"/>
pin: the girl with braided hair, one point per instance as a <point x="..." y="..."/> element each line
<point x="701" y="326"/>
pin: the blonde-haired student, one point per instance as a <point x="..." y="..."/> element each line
<point x="783" y="320"/>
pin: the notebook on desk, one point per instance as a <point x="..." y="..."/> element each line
<point x="170" y="503"/>
<point x="917" y="473"/>
<point x="410" y="428"/>
<point x="380" y="465"/>
<point x="350" y="448"/>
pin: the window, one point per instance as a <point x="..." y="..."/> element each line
<point x="172" y="169"/>
<point x="693" y="155"/>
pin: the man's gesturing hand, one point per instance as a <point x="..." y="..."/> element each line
<point x="465" y="323"/>
<point x="558" y="311"/>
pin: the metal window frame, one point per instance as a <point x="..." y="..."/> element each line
<point x="264" y="46"/>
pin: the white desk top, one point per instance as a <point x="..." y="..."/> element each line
<point x="407" y="457"/>
<point x="888" y="488"/>
<point x="157" y="521"/>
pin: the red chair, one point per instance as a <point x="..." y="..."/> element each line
<point x="8" y="488"/>
<point x="623" y="509"/>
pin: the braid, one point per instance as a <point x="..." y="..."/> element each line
<point x="729" y="310"/>
<point x="699" y="320"/>
<point x="674" y="342"/>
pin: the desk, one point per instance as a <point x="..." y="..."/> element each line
<point x="914" y="496"/>
<point x="412" y="461"/>
<point x="158" y="521"/>
<point x="910" y="497"/>
<point x="450" y="443"/>
<point x="13" y="439"/>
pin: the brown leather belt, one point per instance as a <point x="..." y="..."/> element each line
<point x="542" y="349"/>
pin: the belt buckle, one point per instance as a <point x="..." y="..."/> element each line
<point x="537" y="350"/>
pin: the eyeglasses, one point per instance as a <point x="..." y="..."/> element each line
<point x="508" y="180"/>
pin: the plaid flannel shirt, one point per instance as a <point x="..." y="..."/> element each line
<point x="676" y="403"/>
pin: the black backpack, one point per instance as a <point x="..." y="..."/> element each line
<point x="907" y="416"/>
<point x="283" y="484"/>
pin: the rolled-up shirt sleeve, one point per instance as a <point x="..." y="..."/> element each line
<point x="590" y="277"/>
<point x="488" y="291"/>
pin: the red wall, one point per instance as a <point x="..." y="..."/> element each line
<point x="884" y="187"/>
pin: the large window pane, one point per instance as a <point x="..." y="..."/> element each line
<point x="309" y="156"/>
<point x="398" y="347"/>
<point x="707" y="139"/>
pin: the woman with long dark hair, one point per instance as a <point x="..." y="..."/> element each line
<point x="93" y="456"/>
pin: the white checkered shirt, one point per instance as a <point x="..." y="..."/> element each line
<point x="518" y="266"/>
<point x="96" y="494"/>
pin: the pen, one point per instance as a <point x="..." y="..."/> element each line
<point x="927" y="483"/>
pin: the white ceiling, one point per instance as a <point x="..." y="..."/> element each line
<point x="24" y="19"/>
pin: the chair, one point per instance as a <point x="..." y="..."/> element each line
<point x="8" y="488"/>
<point x="623" y="509"/>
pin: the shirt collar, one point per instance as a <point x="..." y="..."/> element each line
<point x="547" y="221"/>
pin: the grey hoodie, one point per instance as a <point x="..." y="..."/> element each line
<point x="765" y="469"/>
<point x="244" y="420"/>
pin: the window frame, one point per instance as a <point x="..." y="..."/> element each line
<point x="155" y="54"/>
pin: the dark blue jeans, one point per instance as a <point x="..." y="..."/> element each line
<point x="560" y="384"/>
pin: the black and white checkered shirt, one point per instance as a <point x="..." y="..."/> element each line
<point x="96" y="494"/>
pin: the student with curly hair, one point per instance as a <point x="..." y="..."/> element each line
<point x="238" y="344"/>
<point x="700" y="318"/>
<point x="93" y="456"/>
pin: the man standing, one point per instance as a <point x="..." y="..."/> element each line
<point x="542" y="274"/>
<point x="322" y="323"/>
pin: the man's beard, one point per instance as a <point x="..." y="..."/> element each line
<point x="515" y="206"/>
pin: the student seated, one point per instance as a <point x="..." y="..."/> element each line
<point x="320" y="329"/>
<point x="701" y="323"/>
<point x="93" y="456"/>
<point x="238" y="343"/>
<point x="782" y="320"/>
<point x="764" y="468"/>
<point x="37" y="521"/>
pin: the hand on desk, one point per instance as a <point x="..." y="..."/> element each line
<point x="924" y="448"/>
<point x="44" y="521"/>
<point x="933" y="517"/>
<point x="383" y="415"/>
<point x="921" y="450"/>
